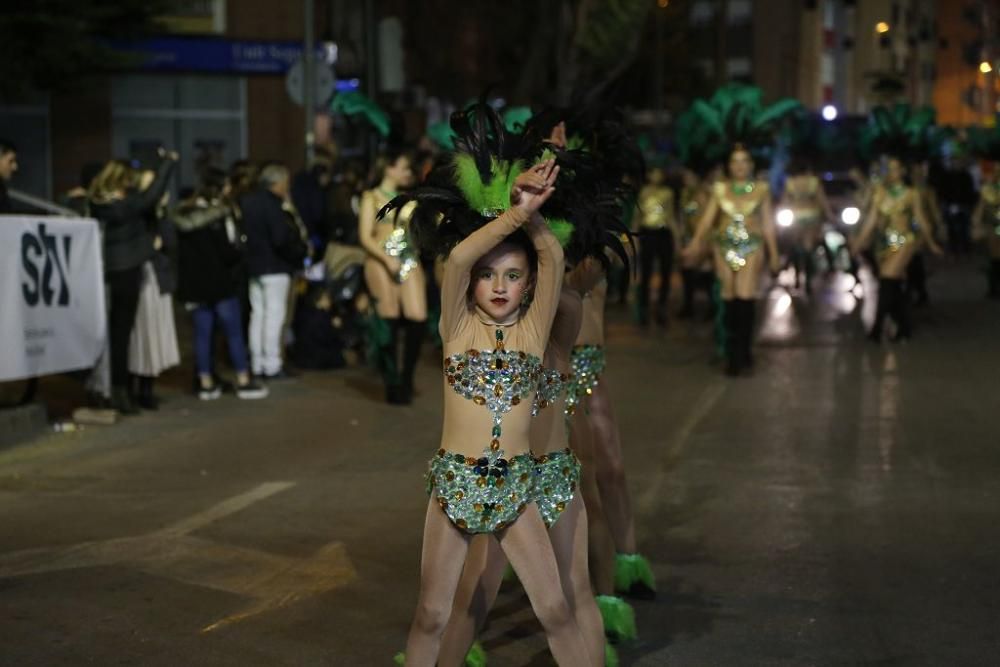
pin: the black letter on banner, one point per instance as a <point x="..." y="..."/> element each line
<point x="30" y="290"/>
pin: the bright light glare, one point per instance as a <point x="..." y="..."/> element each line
<point x="881" y="27"/>
<point x="782" y="305"/>
<point x="786" y="217"/>
<point x="829" y="112"/>
<point x="985" y="67"/>
<point x="850" y="215"/>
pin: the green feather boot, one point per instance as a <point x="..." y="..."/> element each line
<point x="634" y="576"/>
<point x="618" y="617"/>
<point x="610" y="655"/>
<point x="476" y="657"/>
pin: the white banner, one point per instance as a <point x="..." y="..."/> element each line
<point x="52" y="315"/>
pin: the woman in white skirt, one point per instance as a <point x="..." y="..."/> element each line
<point x="153" y="345"/>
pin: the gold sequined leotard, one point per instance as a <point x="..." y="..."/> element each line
<point x="895" y="211"/>
<point x="656" y="207"/>
<point x="737" y="228"/>
<point x="802" y="197"/>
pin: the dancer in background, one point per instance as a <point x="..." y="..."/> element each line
<point x="805" y="197"/>
<point x="394" y="277"/>
<point x="986" y="225"/>
<point x="894" y="223"/>
<point x="657" y="226"/>
<point x="739" y="219"/>
<point x="696" y="274"/>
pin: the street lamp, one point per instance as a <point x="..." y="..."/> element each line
<point x="985" y="67"/>
<point x="881" y="27"/>
<point x="829" y="112"/>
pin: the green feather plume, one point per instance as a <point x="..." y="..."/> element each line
<point x="442" y="135"/>
<point x="488" y="198"/>
<point x="610" y="655"/>
<point x="353" y="103"/>
<point x="561" y="229"/>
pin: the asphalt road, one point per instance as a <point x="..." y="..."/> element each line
<point x="840" y="507"/>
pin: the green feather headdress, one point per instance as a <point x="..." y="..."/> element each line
<point x="489" y="198"/>
<point x="354" y="103"/>
<point x="906" y="132"/>
<point x="735" y="114"/>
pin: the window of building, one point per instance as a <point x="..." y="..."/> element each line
<point x="739" y="11"/>
<point x="738" y="67"/>
<point x="702" y="12"/>
<point x="202" y="117"/>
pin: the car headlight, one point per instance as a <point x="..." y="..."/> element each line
<point x="850" y="215"/>
<point x="786" y="217"/>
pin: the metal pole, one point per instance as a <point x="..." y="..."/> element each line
<point x="371" y="70"/>
<point x="658" y="77"/>
<point x="309" y="79"/>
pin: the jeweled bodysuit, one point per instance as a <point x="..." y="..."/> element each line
<point x="484" y="494"/>
<point x="735" y="238"/>
<point x="483" y="474"/>
<point x="802" y="197"/>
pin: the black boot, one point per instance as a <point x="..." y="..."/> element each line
<point x="688" y="278"/>
<point x="747" y="314"/>
<point x="389" y="364"/>
<point x="881" y="310"/>
<point x="122" y="402"/>
<point x="413" y="337"/>
<point x="900" y="311"/>
<point x="734" y="347"/>
<point x="144" y="396"/>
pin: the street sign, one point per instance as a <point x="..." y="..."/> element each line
<point x="323" y="84"/>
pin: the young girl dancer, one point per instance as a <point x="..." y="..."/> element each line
<point x="498" y="303"/>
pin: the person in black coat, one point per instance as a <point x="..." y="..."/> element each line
<point x="311" y="199"/>
<point x="276" y="249"/>
<point x="8" y="165"/>
<point x="123" y="213"/>
<point x="209" y="258"/>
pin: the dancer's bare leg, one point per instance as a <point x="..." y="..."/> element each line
<point x="441" y="563"/>
<point x="526" y="543"/>
<point x="611" y="469"/>
<point x="602" y="546"/>
<point x="569" y="542"/>
<point x="477" y="592"/>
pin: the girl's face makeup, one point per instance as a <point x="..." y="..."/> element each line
<point x="500" y="280"/>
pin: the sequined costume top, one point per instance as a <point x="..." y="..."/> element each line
<point x="802" y="197"/>
<point x="656" y="207"/>
<point x="467" y="425"/>
<point x="557" y="470"/>
<point x="690" y="209"/>
<point x="388" y="235"/>
<point x="894" y="205"/>
<point x="483" y="472"/>
<point x="398" y="244"/>
<point x="990" y="196"/>
<point x="737" y="230"/>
